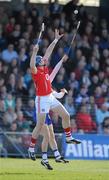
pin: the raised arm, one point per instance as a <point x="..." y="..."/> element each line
<point x="52" y="45"/>
<point x="33" y="59"/>
<point x="57" y="67"/>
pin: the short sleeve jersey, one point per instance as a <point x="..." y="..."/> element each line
<point x="42" y="82"/>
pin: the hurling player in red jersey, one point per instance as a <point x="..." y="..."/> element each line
<point x="47" y="132"/>
<point x="45" y="100"/>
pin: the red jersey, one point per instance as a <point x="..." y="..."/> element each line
<point x="42" y="82"/>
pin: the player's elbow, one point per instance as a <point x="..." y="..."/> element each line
<point x="32" y="65"/>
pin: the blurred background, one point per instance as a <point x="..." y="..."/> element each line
<point x="85" y="75"/>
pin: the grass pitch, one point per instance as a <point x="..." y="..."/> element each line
<point x="25" y="169"/>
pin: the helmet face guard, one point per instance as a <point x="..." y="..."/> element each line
<point x="38" y="60"/>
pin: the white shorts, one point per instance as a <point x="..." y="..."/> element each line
<point x="44" y="103"/>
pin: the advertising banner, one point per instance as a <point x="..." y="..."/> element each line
<point x="92" y="147"/>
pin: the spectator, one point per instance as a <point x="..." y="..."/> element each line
<point x="10" y="26"/>
<point x="92" y="107"/>
<point x="94" y="84"/>
<point x="15" y="138"/>
<point x="73" y="125"/>
<point x="106" y="102"/>
<point x="98" y="95"/>
<point x="29" y="110"/>
<point x="20" y="121"/>
<point x="21" y="18"/>
<point x="21" y="43"/>
<point x="104" y="43"/>
<point x="27" y="78"/>
<point x="15" y="35"/>
<point x="9" y="116"/>
<point x="5" y="72"/>
<point x="21" y="88"/>
<point x="19" y="104"/>
<point x="101" y="113"/>
<point x="86" y="78"/>
<point x="10" y="102"/>
<point x="34" y="13"/>
<point x="82" y="95"/>
<point x="84" y="121"/>
<point x="101" y="76"/>
<point x="11" y="85"/>
<point x="80" y="68"/>
<point x="3" y="92"/>
<point x="105" y="125"/>
<point x="9" y="54"/>
<point x="69" y="105"/>
<point x="73" y="83"/>
<point x="13" y="127"/>
<point x="23" y="59"/>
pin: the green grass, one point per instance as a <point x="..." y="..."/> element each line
<point x="25" y="169"/>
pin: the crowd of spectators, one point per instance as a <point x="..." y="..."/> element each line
<point x="85" y="75"/>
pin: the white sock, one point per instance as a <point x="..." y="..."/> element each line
<point x="56" y="154"/>
<point x="44" y="156"/>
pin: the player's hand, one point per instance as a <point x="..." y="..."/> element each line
<point x="57" y="35"/>
<point x="65" y="57"/>
<point x="64" y="91"/>
<point x="36" y="48"/>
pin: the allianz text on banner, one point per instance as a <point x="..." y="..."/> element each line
<point x="92" y="147"/>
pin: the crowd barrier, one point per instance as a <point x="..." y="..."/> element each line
<point x="16" y="144"/>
